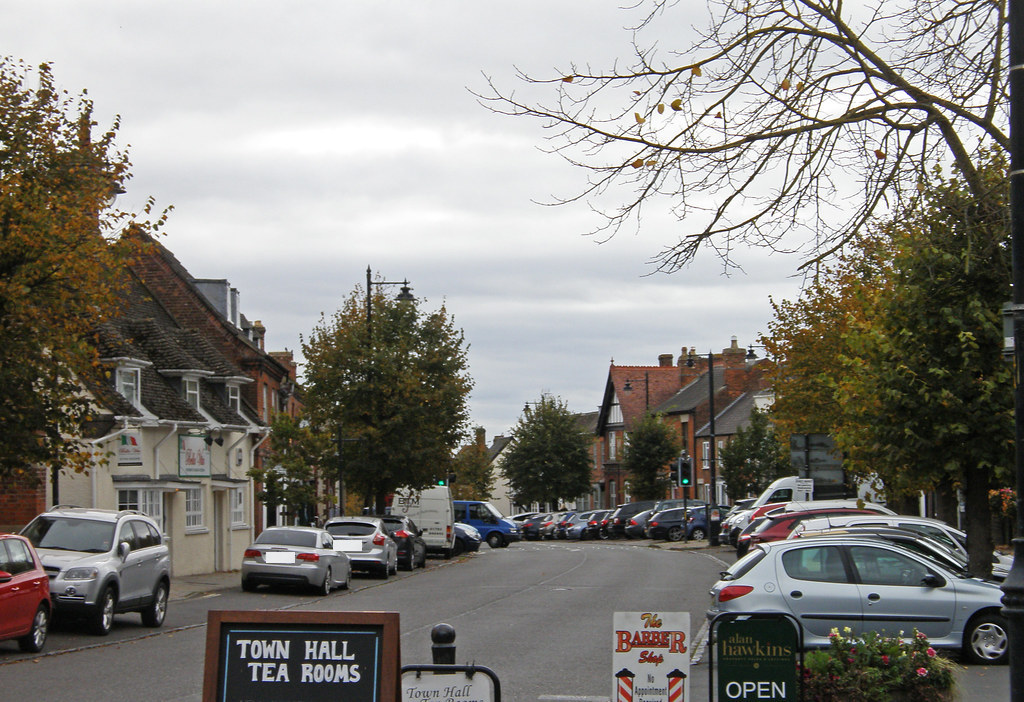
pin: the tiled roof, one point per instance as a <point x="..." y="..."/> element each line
<point x="144" y="332"/>
<point x="688" y="398"/>
<point x="734" y="417"/>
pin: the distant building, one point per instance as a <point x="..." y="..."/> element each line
<point x="681" y="393"/>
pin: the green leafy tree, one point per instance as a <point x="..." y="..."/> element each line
<point x="549" y="457"/>
<point x="650" y="447"/>
<point x="61" y="267"/>
<point x="788" y="123"/>
<point x="395" y="385"/>
<point x="753" y="458"/>
<point x="289" y="474"/>
<point x="473" y="471"/>
<point x="928" y="395"/>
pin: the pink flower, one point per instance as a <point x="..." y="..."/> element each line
<point x="920" y="635"/>
<point x="885" y="659"/>
<point x="930" y="652"/>
<point x="921" y="673"/>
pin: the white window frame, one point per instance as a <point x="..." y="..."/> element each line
<point x="234" y="398"/>
<point x="130" y="379"/>
<point x="190" y="390"/>
<point x="146" y="500"/>
<point x="612" y="446"/>
<point x="194" y="509"/>
<point x="237" y="506"/>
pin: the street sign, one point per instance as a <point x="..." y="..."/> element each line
<point x="650" y="657"/>
<point x="757" y="656"/>
<point x="449" y="683"/>
<point x="273" y="656"/>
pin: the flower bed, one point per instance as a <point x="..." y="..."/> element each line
<point x="878" y="669"/>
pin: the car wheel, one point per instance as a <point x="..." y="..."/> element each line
<point x="423" y="559"/>
<point x="409" y="563"/>
<point x="248" y="585"/>
<point x="325" y="586"/>
<point x="156" y="612"/>
<point x="675" y="534"/>
<point x="986" y="641"/>
<point x="33" y="641"/>
<point x="494" y="539"/>
<point x="698" y="534"/>
<point x="393" y="568"/>
<point x="603" y="535"/>
<point x="458" y="547"/>
<point x="103" y="618"/>
<point x="348" y="580"/>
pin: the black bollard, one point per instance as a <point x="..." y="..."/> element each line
<point x="443" y="648"/>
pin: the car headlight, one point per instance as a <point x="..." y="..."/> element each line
<point x="81" y="574"/>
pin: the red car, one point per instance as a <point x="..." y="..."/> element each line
<point x="776" y="525"/>
<point x="25" y="606"/>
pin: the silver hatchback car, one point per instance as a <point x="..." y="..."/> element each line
<point x="366" y="542"/>
<point x="866" y="584"/>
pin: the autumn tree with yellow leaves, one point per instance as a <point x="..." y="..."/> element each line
<point x="61" y="262"/>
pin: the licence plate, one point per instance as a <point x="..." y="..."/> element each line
<point x="279" y="557"/>
<point x="348" y="545"/>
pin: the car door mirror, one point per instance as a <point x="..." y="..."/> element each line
<point x="932" y="580"/>
<point x="5" y="577"/>
<point x="123" y="549"/>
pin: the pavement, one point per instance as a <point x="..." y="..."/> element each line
<point x="976" y="682"/>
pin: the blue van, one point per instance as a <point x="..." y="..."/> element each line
<point x="495" y="529"/>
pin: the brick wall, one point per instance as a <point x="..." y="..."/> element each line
<point x="20" y="502"/>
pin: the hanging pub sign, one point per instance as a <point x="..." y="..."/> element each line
<point x="129" y="448"/>
<point x="193" y="456"/>
<point x="650" y="657"/>
<point x="261" y="656"/>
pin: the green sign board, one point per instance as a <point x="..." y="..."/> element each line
<point x="757" y="658"/>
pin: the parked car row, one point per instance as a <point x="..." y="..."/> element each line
<point x="90" y="564"/>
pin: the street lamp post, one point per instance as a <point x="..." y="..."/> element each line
<point x="405" y="296"/>
<point x="1013" y="586"/>
<point x="713" y="505"/>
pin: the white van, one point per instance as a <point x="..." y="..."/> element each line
<point x="431" y="508"/>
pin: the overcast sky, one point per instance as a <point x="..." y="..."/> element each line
<point x="300" y="142"/>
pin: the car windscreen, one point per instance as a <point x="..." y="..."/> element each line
<point x="67" y="534"/>
<point x="287" y="537"/>
<point x="351" y="529"/>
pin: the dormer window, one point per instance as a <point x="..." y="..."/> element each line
<point x="191" y="389"/>
<point x="129" y="384"/>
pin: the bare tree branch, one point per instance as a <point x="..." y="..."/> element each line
<point x="788" y="125"/>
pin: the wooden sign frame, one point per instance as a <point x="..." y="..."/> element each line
<point x="376" y="630"/>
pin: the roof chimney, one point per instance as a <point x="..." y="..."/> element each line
<point x="665" y="360"/>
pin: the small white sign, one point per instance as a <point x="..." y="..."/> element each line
<point x="458" y="686"/>
<point x="651" y="657"/>
<point x="279" y="557"/>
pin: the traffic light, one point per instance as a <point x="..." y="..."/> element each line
<point x="683" y="471"/>
<point x="449" y="480"/>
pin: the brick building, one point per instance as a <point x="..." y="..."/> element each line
<point x="681" y="392"/>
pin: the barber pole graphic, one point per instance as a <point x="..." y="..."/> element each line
<point x="624" y="686"/>
<point x="676" y="688"/>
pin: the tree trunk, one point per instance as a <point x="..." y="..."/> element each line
<point x="946" y="503"/>
<point x="978" y="522"/>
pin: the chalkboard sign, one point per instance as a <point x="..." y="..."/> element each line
<point x="259" y="656"/>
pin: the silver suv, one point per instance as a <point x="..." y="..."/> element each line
<point x="103" y="562"/>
